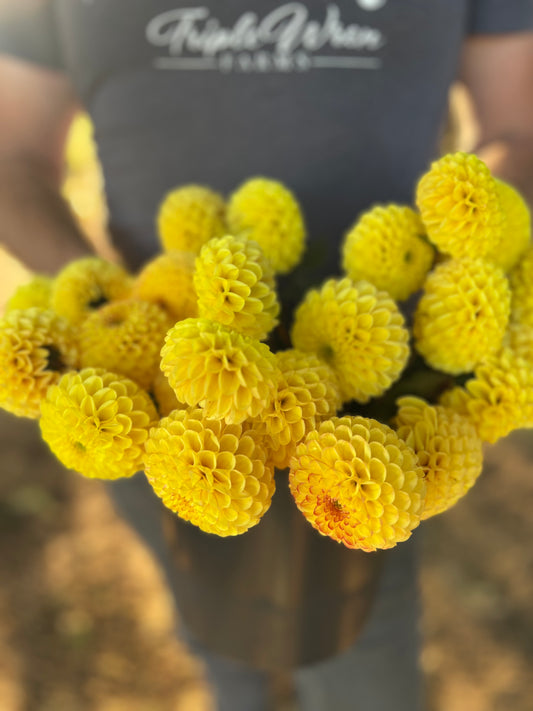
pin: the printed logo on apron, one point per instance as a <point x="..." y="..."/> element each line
<point x="286" y="39"/>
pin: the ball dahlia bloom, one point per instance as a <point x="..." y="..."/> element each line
<point x="460" y="206"/>
<point x="516" y="233"/>
<point x="386" y="247"/>
<point x="448" y="448"/>
<point x="462" y="315"/>
<point x="235" y="286"/>
<point x="307" y="393"/>
<point x="35" y="293"/>
<point x="359" y="331"/>
<point x="167" y="280"/>
<point x="96" y="423"/>
<point x="125" y="337"/>
<point x="498" y="399"/>
<point x="85" y="285"/>
<point x="189" y="216"/>
<point x="267" y="212"/>
<point x="210" y="473"/>
<point x="357" y="482"/>
<point x="520" y="279"/>
<point x="36" y="347"/>
<point x="233" y="377"/>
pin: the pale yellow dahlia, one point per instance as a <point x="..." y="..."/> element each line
<point x="356" y="481"/>
<point x="307" y="393"/>
<point x="463" y="314"/>
<point x="521" y="281"/>
<point x="460" y="206"/>
<point x="96" y="423"/>
<point x="235" y="286"/>
<point x="36" y="347"/>
<point x="519" y="339"/>
<point x="267" y="212"/>
<point x="359" y="331"/>
<point x="210" y="473"/>
<point x="86" y="284"/>
<point x="167" y="280"/>
<point x="498" y="399"/>
<point x="516" y="233"/>
<point x="448" y="450"/>
<point x="386" y="247"/>
<point x="37" y="292"/>
<point x="189" y="216"/>
<point x="125" y="337"/>
<point x="233" y="377"/>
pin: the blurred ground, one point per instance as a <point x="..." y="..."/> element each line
<point x="86" y="623"/>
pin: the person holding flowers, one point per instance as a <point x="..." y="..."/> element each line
<point x="289" y="328"/>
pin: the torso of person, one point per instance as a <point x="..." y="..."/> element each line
<point x="342" y="101"/>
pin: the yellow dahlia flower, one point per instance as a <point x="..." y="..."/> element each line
<point x="86" y="284"/>
<point x="386" y="247"/>
<point x="521" y="280"/>
<point x="358" y="331"/>
<point x="96" y="423"/>
<point x="37" y="292"/>
<point x="167" y="281"/>
<point x="210" y="473"/>
<point x="356" y="481"/>
<point x="460" y="206"/>
<point x="125" y="337"/>
<point x="233" y="377"/>
<point x="448" y="450"/>
<point x="235" y="286"/>
<point x="516" y="233"/>
<point x="36" y="347"/>
<point x="267" y="212"/>
<point x="307" y="393"/>
<point x="189" y="216"/>
<point x="498" y="399"/>
<point x="519" y="339"/>
<point x="463" y="314"/>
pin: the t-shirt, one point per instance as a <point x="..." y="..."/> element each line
<point x="342" y="101"/>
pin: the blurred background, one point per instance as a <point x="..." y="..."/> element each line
<point x="86" y="623"/>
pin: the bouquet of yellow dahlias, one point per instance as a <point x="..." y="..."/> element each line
<point x="390" y="379"/>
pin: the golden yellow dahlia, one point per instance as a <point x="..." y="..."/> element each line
<point x="307" y="393"/>
<point x="86" y="284"/>
<point x="356" y="481"/>
<point x="463" y="314"/>
<point x="460" y="206"/>
<point x="521" y="280"/>
<point x="167" y="280"/>
<point x="516" y="233"/>
<point x="386" y="247"/>
<point x="36" y="347"/>
<point x="125" y="337"/>
<point x="448" y="450"/>
<point x="498" y="399"/>
<point x="210" y="473"/>
<point x="359" y="331"/>
<point x="268" y="213"/>
<point x="235" y="286"/>
<point x="96" y="423"/>
<point x="233" y="377"/>
<point x="189" y="216"/>
<point x="37" y="292"/>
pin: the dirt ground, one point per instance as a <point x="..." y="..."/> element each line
<point x="86" y="623"/>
